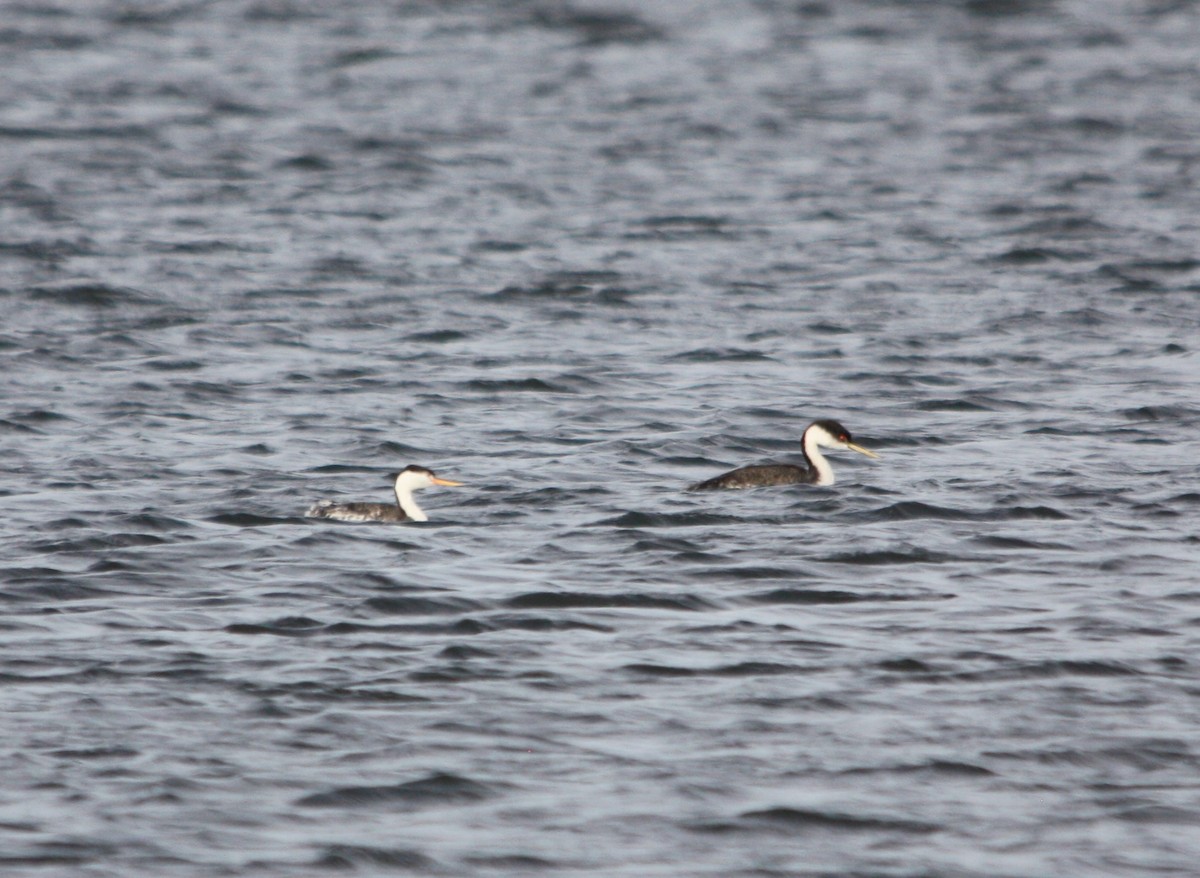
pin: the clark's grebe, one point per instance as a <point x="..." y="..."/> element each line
<point x="411" y="478"/>
<point x="830" y="434"/>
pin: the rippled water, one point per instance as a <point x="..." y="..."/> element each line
<point x="258" y="253"/>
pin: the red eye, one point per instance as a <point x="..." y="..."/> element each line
<point x="843" y="438"/>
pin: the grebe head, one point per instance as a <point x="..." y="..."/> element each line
<point x="413" y="478"/>
<point x="831" y="434"/>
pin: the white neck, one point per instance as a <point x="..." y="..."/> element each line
<point x="404" y="496"/>
<point x="812" y="451"/>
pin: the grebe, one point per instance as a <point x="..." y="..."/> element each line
<point x="411" y="478"/>
<point x="831" y="434"/>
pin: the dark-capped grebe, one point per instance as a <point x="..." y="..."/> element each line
<point x="829" y="434"/>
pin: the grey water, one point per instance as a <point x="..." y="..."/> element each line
<point x="255" y="253"/>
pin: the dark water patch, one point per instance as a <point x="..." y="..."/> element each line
<point x="1078" y="182"/>
<point x="501" y="621"/>
<point x="976" y="402"/>
<point x="201" y="247"/>
<point x="1128" y="281"/>
<point x="827" y="328"/>
<point x="458" y="672"/>
<point x="596" y="27"/>
<point x="92" y="674"/>
<point x="85" y="133"/>
<point x="109" y="565"/>
<point x="788" y="819"/>
<point x="515" y="385"/>
<point x="593" y="285"/>
<point x="1178" y="413"/>
<point x="356" y="57"/>
<point x="565" y="382"/>
<point x="340" y="267"/>
<point x="1036" y="671"/>
<point x="31" y="417"/>
<point x="519" y="863"/>
<point x="90" y="753"/>
<point x="926" y="380"/>
<point x="22" y="575"/>
<point x="60" y="853"/>
<point x="1191" y="498"/>
<point x="681" y="228"/>
<point x="807" y="818"/>
<point x="392" y="447"/>
<point x="908" y="510"/>
<point x="555" y="600"/>
<point x="719" y="355"/>
<point x="1088" y="126"/>
<point x="884" y="557"/>
<point x="275" y="293"/>
<point x="1155" y="510"/>
<point x="1159" y="815"/>
<point x="803" y="596"/>
<point x="757" y="669"/>
<point x="15" y="427"/>
<point x="833" y="596"/>
<point x="1086" y="317"/>
<point x="1064" y="227"/>
<point x="459" y="652"/>
<point x="945" y="767"/>
<point x="1145" y="755"/>
<point x="648" y="669"/>
<point x="459" y="627"/>
<point x="91" y="295"/>
<point x="344" y="857"/>
<point x="905" y="666"/>
<point x="669" y="519"/>
<point x="436" y="789"/>
<point x="1164" y="266"/>
<point x="154" y="521"/>
<point x="99" y="543"/>
<point x="438" y="336"/>
<point x="206" y="392"/>
<point x="308" y="161"/>
<point x="497" y="246"/>
<point x="952" y="405"/>
<point x="250" y="519"/>
<point x="657" y="543"/>
<point x="396" y="605"/>
<point x="314" y="691"/>
<point x="171" y="364"/>
<point x="749" y="572"/>
<point x="1019" y="256"/>
<point x="286" y="626"/>
<point x="1017" y="544"/>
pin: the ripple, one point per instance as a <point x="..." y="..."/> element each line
<point x="436" y="789"/>
<point x="792" y="819"/>
<point x="908" y="510"/>
<point x="545" y="600"/>
<point x="833" y="596"/>
<point x="342" y="857"/>
<point x="92" y="295"/>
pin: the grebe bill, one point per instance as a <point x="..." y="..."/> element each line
<point x="829" y="434"/>
<point x="411" y="478"/>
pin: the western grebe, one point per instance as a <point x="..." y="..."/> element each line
<point x="411" y="478"/>
<point x="830" y="434"/>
